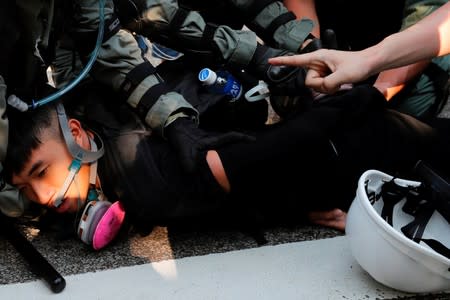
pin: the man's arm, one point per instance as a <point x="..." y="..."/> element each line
<point x="120" y="65"/>
<point x="392" y="81"/>
<point x="329" y="69"/>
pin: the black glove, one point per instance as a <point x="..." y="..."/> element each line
<point x="272" y="75"/>
<point x="291" y="96"/>
<point x="288" y="93"/>
<point x="261" y="69"/>
<point x="191" y="142"/>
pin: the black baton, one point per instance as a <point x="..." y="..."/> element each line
<point x="39" y="265"/>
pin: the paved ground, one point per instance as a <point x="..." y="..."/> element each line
<point x="319" y="269"/>
<point x="298" y="262"/>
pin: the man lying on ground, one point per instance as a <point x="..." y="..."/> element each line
<point x="306" y="166"/>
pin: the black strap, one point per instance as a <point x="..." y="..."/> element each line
<point x="435" y="195"/>
<point x="150" y="97"/>
<point x="416" y="228"/>
<point x="391" y="193"/>
<point x="208" y="37"/>
<point x="421" y="202"/>
<point x="438" y="188"/>
<point x="177" y="21"/>
<point x="135" y="77"/>
<point x="438" y="247"/>
<point x="371" y="195"/>
<point x="275" y="24"/>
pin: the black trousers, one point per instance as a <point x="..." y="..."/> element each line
<point x="314" y="160"/>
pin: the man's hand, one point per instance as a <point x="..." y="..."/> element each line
<point x="329" y="69"/>
<point x="289" y="93"/>
<point x="191" y="142"/>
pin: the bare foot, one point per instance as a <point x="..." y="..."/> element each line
<point x="334" y="218"/>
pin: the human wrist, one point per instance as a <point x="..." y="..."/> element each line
<point x="375" y="57"/>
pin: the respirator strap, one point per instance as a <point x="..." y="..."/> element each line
<point x="74" y="167"/>
<point x="79" y="154"/>
<point x="73" y="170"/>
<point x="93" y="170"/>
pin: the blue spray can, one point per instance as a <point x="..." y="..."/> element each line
<point x="221" y="82"/>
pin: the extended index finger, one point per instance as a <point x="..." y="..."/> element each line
<point x="299" y="60"/>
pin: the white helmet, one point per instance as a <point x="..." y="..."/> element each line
<point x="385" y="212"/>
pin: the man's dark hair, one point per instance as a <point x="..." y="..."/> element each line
<point x="26" y="130"/>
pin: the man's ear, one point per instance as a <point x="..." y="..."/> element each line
<point x="78" y="132"/>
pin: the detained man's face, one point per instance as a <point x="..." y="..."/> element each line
<point x="48" y="167"/>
